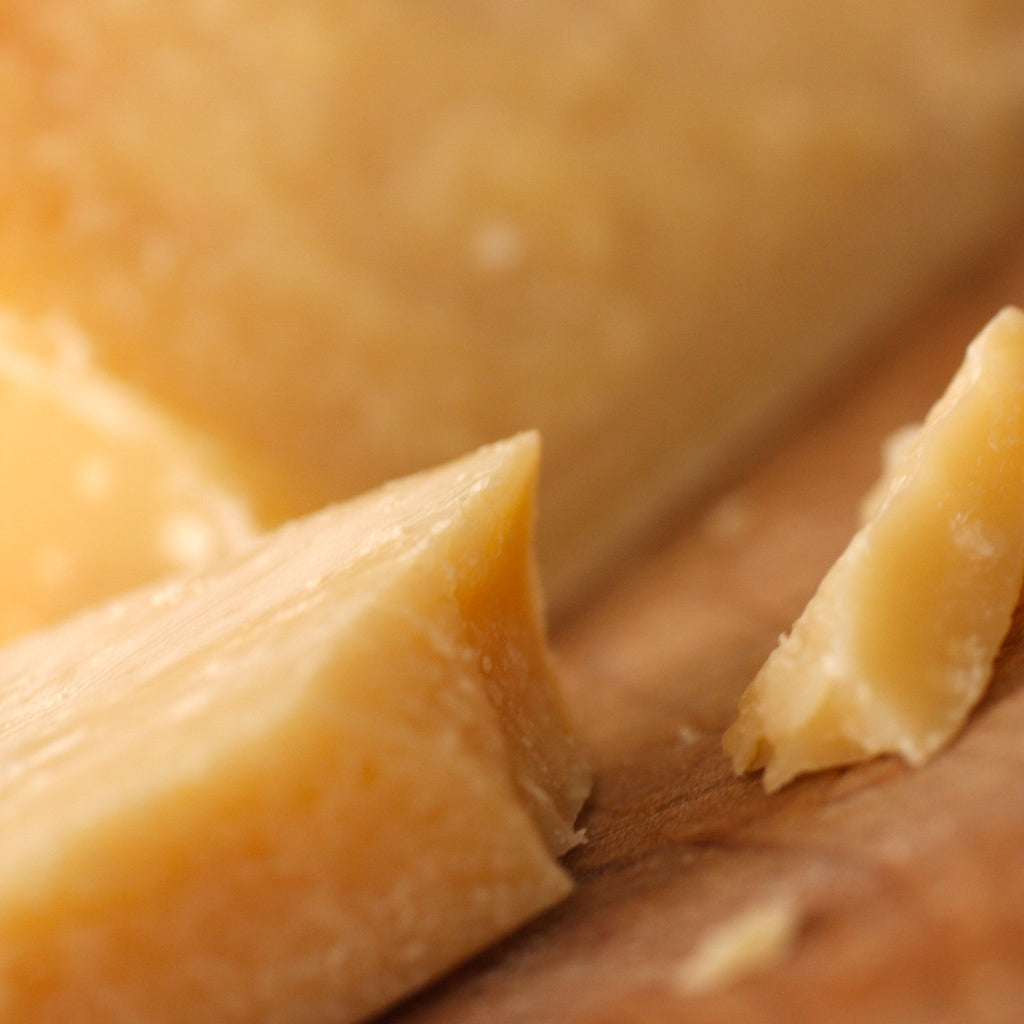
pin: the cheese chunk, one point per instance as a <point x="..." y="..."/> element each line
<point x="646" y="228"/>
<point x="101" y="490"/>
<point x="296" y="786"/>
<point x="898" y="643"/>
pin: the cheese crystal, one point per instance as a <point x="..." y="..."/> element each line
<point x="101" y="490"/>
<point x="898" y="643"/>
<point x="295" y="786"/>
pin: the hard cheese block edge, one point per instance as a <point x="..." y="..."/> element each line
<point x="296" y="786"/>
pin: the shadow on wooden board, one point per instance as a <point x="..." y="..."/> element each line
<point x="907" y="886"/>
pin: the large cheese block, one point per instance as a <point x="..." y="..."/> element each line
<point x="897" y="645"/>
<point x="100" y="490"/>
<point x="359" y="238"/>
<point x="294" y="787"/>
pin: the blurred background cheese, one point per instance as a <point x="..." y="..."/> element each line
<point x="358" y="238"/>
<point x="295" y="786"/>
<point x="100" y="490"/>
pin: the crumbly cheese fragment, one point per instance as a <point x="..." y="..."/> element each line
<point x="898" y="643"/>
<point x="101" y="490"/>
<point x="294" y="787"/>
<point x="646" y="228"/>
<point x="752" y="941"/>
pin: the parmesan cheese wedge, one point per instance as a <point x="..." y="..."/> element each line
<point x="101" y="490"/>
<point x="298" y="785"/>
<point x="898" y="643"/>
<point x="646" y="228"/>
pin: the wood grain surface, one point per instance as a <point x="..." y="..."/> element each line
<point x="908" y="885"/>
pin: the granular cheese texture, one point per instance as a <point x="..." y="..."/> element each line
<point x="298" y="785"/>
<point x="897" y="645"/>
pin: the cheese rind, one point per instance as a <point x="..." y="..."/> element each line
<point x="299" y="785"/>
<point x="646" y="228"/>
<point x="101" y="490"/>
<point x="897" y="645"/>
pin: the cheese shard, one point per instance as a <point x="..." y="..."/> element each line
<point x="898" y="643"/>
<point x="753" y="941"/>
<point x="296" y="786"/>
<point x="646" y="227"/>
<point x="101" y="491"/>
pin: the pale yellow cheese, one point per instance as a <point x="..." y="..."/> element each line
<point x="898" y="643"/>
<point x="752" y="941"/>
<point x="294" y="787"/>
<point x="99" y="490"/>
<point x="358" y="238"/>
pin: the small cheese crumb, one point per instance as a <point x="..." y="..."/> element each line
<point x="688" y="734"/>
<point x="895" y="449"/>
<point x="187" y="540"/>
<point x="729" y="521"/>
<point x="752" y="941"/>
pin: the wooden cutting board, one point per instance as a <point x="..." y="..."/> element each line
<point x="908" y="885"/>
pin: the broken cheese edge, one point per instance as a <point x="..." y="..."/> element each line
<point x="298" y="785"/>
<point x="897" y="645"/>
<point x="102" y="491"/>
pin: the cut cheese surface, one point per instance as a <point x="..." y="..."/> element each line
<point x="898" y="643"/>
<point x="646" y="228"/>
<point x="101" y="491"/>
<point x="298" y="785"/>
